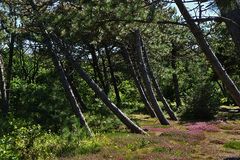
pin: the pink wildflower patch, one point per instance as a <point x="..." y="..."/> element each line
<point x="199" y="127"/>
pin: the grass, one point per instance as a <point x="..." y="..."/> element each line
<point x="232" y="145"/>
<point x="198" y="141"/>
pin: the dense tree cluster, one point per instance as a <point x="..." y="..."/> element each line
<point x="60" y="57"/>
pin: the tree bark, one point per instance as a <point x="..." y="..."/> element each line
<point x="114" y="81"/>
<point x="79" y="99"/>
<point x="10" y="64"/>
<point x="106" y="86"/>
<point x="96" y="65"/>
<point x="146" y="79"/>
<point x="101" y="94"/>
<point x="217" y="66"/>
<point x="156" y="85"/>
<point x="3" y="89"/>
<point x="128" y="60"/>
<point x="69" y="92"/>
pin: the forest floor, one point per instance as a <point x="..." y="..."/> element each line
<point x="214" y="140"/>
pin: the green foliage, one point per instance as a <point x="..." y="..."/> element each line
<point x="16" y="142"/>
<point x="28" y="141"/>
<point x="42" y="124"/>
<point x="233" y="145"/>
<point x="103" y="123"/>
<point x="43" y="103"/>
<point x="128" y="91"/>
<point x="203" y="103"/>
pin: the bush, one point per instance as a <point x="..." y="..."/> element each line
<point x="17" y="142"/>
<point x="25" y="140"/>
<point x="203" y="103"/>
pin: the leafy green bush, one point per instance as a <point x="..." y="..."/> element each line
<point x="203" y="103"/>
<point x="18" y="141"/>
<point x="41" y="103"/>
<point x="25" y="140"/>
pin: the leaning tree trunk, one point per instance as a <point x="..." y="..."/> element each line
<point x="113" y="78"/>
<point x="101" y="94"/>
<point x="217" y="66"/>
<point x="156" y="85"/>
<point x="3" y="89"/>
<point x="128" y="60"/>
<point x="70" y="94"/>
<point x="79" y="99"/>
<point x="57" y="64"/>
<point x="146" y="79"/>
<point x="231" y="10"/>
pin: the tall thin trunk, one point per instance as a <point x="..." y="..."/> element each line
<point x="3" y="89"/>
<point x="57" y="64"/>
<point x="130" y="124"/>
<point x="128" y="61"/>
<point x="217" y="66"/>
<point x="175" y="77"/>
<point x="96" y="65"/>
<point x="113" y="78"/>
<point x="10" y="64"/>
<point x="106" y="86"/>
<point x="156" y="85"/>
<point x="146" y="79"/>
<point x="79" y="99"/>
<point x="69" y="92"/>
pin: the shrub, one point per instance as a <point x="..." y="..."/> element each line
<point x="25" y="140"/>
<point x="203" y="103"/>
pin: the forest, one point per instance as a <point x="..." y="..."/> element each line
<point x="120" y="79"/>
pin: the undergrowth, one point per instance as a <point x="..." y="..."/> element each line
<point x="23" y="140"/>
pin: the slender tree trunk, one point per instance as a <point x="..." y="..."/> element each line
<point x="156" y="85"/>
<point x="221" y="88"/>
<point x="146" y="79"/>
<point x="130" y="124"/>
<point x="137" y="69"/>
<point x="105" y="74"/>
<point x="79" y="99"/>
<point x="114" y="81"/>
<point x="128" y="61"/>
<point x="217" y="66"/>
<point x="3" y="89"/>
<point x="57" y="64"/>
<point x="175" y="77"/>
<point x="10" y="64"/>
<point x="96" y="65"/>
<point x="70" y="93"/>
